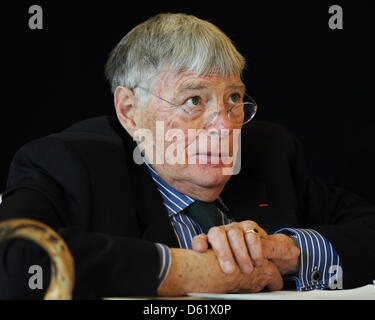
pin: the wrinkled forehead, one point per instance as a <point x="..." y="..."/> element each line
<point x="187" y="81"/>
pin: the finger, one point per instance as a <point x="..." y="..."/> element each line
<point x="217" y="237"/>
<point x="254" y="245"/>
<point x="200" y="243"/>
<point x="249" y="225"/>
<point x="275" y="281"/>
<point x="240" y="250"/>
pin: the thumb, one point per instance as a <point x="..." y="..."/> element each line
<point x="200" y="243"/>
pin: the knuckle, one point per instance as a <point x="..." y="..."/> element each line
<point x="234" y="232"/>
<point x="222" y="254"/>
<point x="253" y="241"/>
<point x="248" y="223"/>
<point x="245" y="262"/>
<point x="198" y="237"/>
<point x="215" y="232"/>
<point x="232" y="224"/>
<point x="242" y="256"/>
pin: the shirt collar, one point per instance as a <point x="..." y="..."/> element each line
<point x="174" y="201"/>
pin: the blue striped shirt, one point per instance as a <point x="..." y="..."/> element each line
<point x="317" y="255"/>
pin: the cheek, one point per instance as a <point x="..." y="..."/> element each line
<point x="148" y="116"/>
<point x="143" y="118"/>
<point x="173" y="131"/>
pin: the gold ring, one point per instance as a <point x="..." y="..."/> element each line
<point x="255" y="231"/>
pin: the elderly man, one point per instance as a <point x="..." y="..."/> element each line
<point x="167" y="226"/>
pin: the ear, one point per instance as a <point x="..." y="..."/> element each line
<point x="125" y="99"/>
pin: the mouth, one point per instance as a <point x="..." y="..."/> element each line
<point x="213" y="154"/>
<point x="213" y="159"/>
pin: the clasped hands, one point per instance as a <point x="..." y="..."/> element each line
<point x="264" y="256"/>
<point x="238" y="261"/>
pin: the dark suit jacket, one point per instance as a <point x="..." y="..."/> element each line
<point x="84" y="183"/>
<point x="357" y="170"/>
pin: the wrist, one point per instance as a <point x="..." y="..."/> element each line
<point x="295" y="262"/>
<point x="288" y="262"/>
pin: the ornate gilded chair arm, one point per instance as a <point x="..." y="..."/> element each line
<point x="62" y="264"/>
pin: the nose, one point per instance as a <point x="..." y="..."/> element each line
<point x="220" y="122"/>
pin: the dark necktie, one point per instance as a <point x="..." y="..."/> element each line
<point x="205" y="214"/>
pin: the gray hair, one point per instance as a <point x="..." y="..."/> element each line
<point x="179" y="42"/>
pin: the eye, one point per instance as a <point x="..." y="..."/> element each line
<point x="235" y="98"/>
<point x="193" y="101"/>
<point x="193" y="106"/>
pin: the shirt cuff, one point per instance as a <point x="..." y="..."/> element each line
<point x="164" y="261"/>
<point x="319" y="263"/>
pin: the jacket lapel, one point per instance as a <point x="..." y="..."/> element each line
<point x="151" y="211"/>
<point x="250" y="201"/>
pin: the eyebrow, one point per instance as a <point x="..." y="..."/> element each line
<point x="200" y="86"/>
<point x="193" y="86"/>
<point x="236" y="86"/>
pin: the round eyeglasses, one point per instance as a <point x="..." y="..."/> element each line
<point x="198" y="114"/>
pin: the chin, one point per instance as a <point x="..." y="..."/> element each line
<point x="208" y="175"/>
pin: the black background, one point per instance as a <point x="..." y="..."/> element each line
<point x="314" y="80"/>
